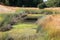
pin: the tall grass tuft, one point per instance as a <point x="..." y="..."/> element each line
<point x="50" y="24"/>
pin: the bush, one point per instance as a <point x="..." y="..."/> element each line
<point x="42" y="6"/>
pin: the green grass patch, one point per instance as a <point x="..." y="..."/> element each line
<point x="23" y="25"/>
<point x="34" y="15"/>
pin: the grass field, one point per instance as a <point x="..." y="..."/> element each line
<point x="21" y="29"/>
<point x="25" y="31"/>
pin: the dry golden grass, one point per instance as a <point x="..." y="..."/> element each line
<point x="57" y="9"/>
<point x="7" y="9"/>
<point x="51" y="24"/>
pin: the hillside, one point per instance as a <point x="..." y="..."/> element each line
<point x="7" y="9"/>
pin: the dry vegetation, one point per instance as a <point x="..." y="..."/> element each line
<point x="51" y="24"/>
<point x="7" y="9"/>
<point x="54" y="9"/>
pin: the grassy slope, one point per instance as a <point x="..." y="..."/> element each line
<point x="20" y="28"/>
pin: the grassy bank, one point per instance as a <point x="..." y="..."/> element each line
<point x="22" y="30"/>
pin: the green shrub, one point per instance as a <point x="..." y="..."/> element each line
<point x="4" y="25"/>
<point x="42" y="6"/>
<point x="9" y="20"/>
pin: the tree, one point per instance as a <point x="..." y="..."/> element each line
<point x="36" y="2"/>
<point x="54" y="3"/>
<point x="42" y="5"/>
<point x="6" y="2"/>
<point x="27" y="3"/>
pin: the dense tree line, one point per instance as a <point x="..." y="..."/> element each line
<point x="28" y="3"/>
<point x="50" y="3"/>
<point x="31" y="3"/>
<point x="53" y="3"/>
